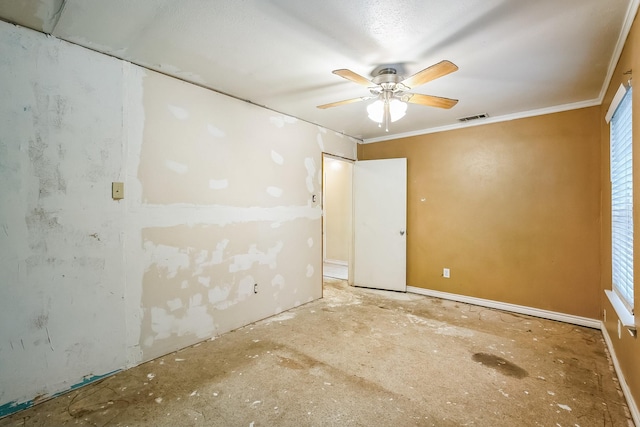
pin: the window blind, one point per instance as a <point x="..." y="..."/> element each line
<point x="622" y="200"/>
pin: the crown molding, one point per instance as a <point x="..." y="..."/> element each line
<point x="622" y="38"/>
<point x="496" y="119"/>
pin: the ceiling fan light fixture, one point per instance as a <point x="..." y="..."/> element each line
<point x="397" y="110"/>
<point x="376" y="111"/>
<point x="391" y="91"/>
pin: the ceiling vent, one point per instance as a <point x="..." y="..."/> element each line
<point x="477" y="116"/>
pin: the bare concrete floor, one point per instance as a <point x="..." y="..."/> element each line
<point x="363" y="358"/>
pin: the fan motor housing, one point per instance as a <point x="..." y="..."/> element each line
<point x="387" y="75"/>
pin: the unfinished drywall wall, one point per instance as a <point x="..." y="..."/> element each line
<point x="62" y="310"/>
<point x="625" y="347"/>
<point x="338" y="208"/>
<point x="219" y="196"/>
<point x="229" y="229"/>
<point x="512" y="209"/>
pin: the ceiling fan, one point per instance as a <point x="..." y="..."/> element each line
<point x="392" y="91"/>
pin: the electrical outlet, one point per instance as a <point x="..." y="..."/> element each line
<point x="255" y="288"/>
<point x="446" y="273"/>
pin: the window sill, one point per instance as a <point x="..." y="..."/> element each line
<point x="627" y="319"/>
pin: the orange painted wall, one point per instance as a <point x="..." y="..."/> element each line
<point x="512" y="208"/>
<point x="626" y="348"/>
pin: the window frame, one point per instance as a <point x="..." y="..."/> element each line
<point x="620" y="118"/>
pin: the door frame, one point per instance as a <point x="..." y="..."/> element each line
<point x="322" y="222"/>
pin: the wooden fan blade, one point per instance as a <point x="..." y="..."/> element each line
<point x="431" y="73"/>
<point x="346" y="101"/>
<point x="354" y="77"/>
<point x="431" y="101"/>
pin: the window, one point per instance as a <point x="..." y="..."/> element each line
<point x="622" y="199"/>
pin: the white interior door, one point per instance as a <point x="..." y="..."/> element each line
<point x="380" y="217"/>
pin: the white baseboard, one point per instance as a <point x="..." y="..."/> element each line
<point x="633" y="408"/>
<point x="521" y="309"/>
<point x="336" y="262"/>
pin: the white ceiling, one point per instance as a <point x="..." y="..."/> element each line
<point x="515" y="57"/>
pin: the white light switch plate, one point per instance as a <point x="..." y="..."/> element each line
<point x="117" y="190"/>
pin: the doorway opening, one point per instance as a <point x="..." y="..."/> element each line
<point x="337" y="218"/>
